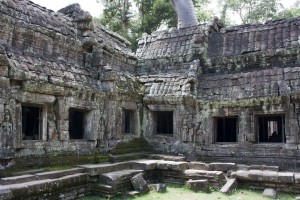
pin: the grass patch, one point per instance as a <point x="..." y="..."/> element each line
<point x="182" y="193"/>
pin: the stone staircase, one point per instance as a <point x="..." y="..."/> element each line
<point x="111" y="179"/>
<point x="45" y="185"/>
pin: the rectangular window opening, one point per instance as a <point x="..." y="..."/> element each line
<point x="32" y="123"/>
<point x="271" y="129"/>
<point x="128" y="117"/>
<point x="76" y="124"/>
<point x="164" y="122"/>
<point x="226" y="129"/>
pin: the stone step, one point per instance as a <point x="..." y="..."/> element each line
<point x="118" y="178"/>
<point x="167" y="157"/>
<point x="97" y="169"/>
<point x="144" y="164"/>
<point x="216" y="178"/>
<point x="17" y="179"/>
<point x="26" y="189"/>
<point x="57" y="174"/>
<point x="127" y="157"/>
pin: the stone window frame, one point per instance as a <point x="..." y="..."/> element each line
<point x="44" y="101"/>
<point x="133" y="121"/>
<point x="64" y="105"/>
<point x="42" y="123"/>
<point x="214" y="126"/>
<point x="132" y="106"/>
<point x="43" y="134"/>
<point x="88" y="117"/>
<point x="256" y="127"/>
<point x="152" y="122"/>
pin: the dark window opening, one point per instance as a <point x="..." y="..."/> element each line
<point x="76" y="124"/>
<point x="226" y="129"/>
<point x="128" y="121"/>
<point x="164" y="122"/>
<point x="31" y="123"/>
<point x="271" y="129"/>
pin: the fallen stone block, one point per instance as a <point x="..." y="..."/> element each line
<point x="198" y="185"/>
<point x="222" y="166"/>
<point x="140" y="184"/>
<point x="270" y="192"/>
<point x="230" y="185"/>
<point x="161" y="188"/>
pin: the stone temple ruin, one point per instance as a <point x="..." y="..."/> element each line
<point x="72" y="90"/>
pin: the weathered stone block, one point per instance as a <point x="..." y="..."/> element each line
<point x="230" y="185"/>
<point x="270" y="176"/>
<point x="285" y="177"/>
<point x="297" y="178"/>
<point x="144" y="164"/>
<point x="222" y="166"/>
<point x="199" y="166"/>
<point x="17" y="179"/>
<point x="269" y="192"/>
<point x="140" y="184"/>
<point x="171" y="165"/>
<point x="256" y="175"/>
<point x="243" y="175"/>
<point x="198" y="185"/>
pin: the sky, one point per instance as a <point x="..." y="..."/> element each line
<point x="89" y="5"/>
<point x="96" y="8"/>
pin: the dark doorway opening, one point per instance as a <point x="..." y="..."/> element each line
<point x="164" y="122"/>
<point x="31" y="123"/>
<point x="128" y="116"/>
<point x="226" y="129"/>
<point x="76" y="124"/>
<point x="271" y="129"/>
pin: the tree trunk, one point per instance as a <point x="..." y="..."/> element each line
<point x="185" y="13"/>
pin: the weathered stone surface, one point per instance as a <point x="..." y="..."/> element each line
<point x="172" y="165"/>
<point x="159" y="187"/>
<point x="97" y="169"/>
<point x="199" y="166"/>
<point x="222" y="166"/>
<point x="285" y="177"/>
<point x="269" y="192"/>
<point x="140" y="184"/>
<point x="230" y="185"/>
<point x="17" y="179"/>
<point x="144" y="164"/>
<point x="198" y="185"/>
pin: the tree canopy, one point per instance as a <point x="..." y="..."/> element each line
<point x="132" y="18"/>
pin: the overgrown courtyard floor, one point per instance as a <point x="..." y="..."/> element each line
<point x="182" y="193"/>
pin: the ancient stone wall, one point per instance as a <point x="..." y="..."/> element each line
<point x="59" y="64"/>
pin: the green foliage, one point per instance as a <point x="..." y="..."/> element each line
<point x="290" y="12"/>
<point x="251" y="11"/>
